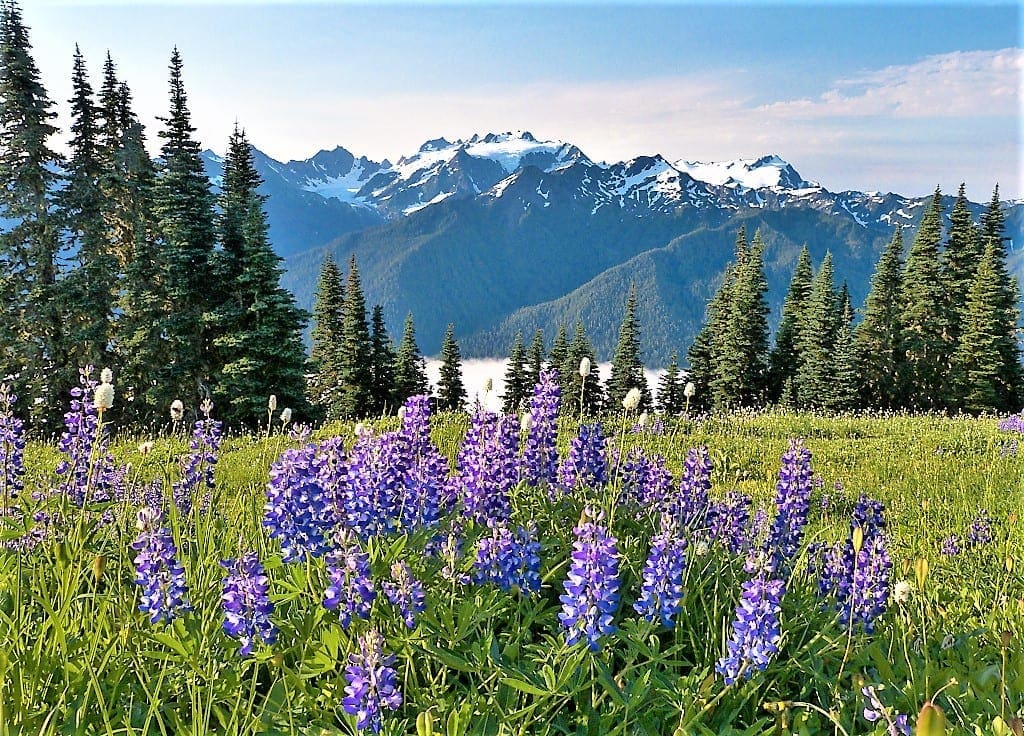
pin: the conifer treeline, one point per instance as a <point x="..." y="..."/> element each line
<point x="110" y="258"/>
<point x="939" y="332"/>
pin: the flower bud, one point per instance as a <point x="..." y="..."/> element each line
<point x="99" y="564"/>
<point x="526" y="422"/>
<point x="858" y="539"/>
<point x="931" y="721"/>
<point x="1005" y="637"/>
<point x="272" y="403"/>
<point x="488" y="385"/>
<point x="921" y="571"/>
<point x="106" y="376"/>
<point x="584" y="367"/>
<point x="286" y="415"/>
<point x="177" y="410"/>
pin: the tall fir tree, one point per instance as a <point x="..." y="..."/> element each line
<point x="978" y="364"/>
<point x="451" y="392"/>
<point x="960" y="260"/>
<point x="517" y="385"/>
<point x="354" y="350"/>
<point x="878" y="339"/>
<point x="843" y="394"/>
<point x="993" y="222"/>
<point x="556" y="358"/>
<point x="817" y="339"/>
<point x="627" y="368"/>
<point x="184" y="209"/>
<point x="256" y="327"/>
<point x="670" y="388"/>
<point x="925" y="335"/>
<point x="534" y="359"/>
<point x="410" y="372"/>
<point x="581" y="396"/>
<point x="784" y="359"/>
<point x="704" y="351"/>
<point x="89" y="288"/>
<point x="32" y="341"/>
<point x="323" y="367"/>
<point x="741" y="367"/>
<point x="382" y="365"/>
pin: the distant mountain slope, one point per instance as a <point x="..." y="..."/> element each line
<point x="502" y="232"/>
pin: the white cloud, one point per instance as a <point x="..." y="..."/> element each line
<point x="956" y="84"/>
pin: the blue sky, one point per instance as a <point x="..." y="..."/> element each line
<point x="860" y="96"/>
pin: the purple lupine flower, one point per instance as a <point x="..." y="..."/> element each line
<point x="509" y="559"/>
<point x="1013" y="423"/>
<point x="416" y="423"/>
<point x="540" y="454"/>
<point x="646" y="482"/>
<point x="158" y="571"/>
<point x="756" y="632"/>
<point x="792" y="503"/>
<point x="980" y="533"/>
<point x="729" y="521"/>
<point x="372" y="682"/>
<point x="89" y="469"/>
<point x="489" y="466"/>
<point x="691" y="505"/>
<point x="198" y="466"/>
<point x="423" y="501"/>
<point x="298" y="512"/>
<point x="857" y="580"/>
<point x="405" y="592"/>
<point x="661" y="595"/>
<point x="592" y="586"/>
<point x="374" y="486"/>
<point x="587" y="463"/>
<point x="896" y="724"/>
<point x="350" y="592"/>
<point x="247" y="605"/>
<point x="12" y="447"/>
<point x="950" y="546"/>
<point x="41" y="529"/>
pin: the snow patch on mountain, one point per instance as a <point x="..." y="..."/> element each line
<point x="767" y="172"/>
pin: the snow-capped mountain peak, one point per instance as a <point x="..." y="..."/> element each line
<point x="767" y="172"/>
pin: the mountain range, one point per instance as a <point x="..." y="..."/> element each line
<point x="503" y="233"/>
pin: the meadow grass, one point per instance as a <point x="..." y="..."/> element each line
<point x="77" y="656"/>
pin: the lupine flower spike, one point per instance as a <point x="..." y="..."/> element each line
<point x="247" y="605"/>
<point x="158" y="571"/>
<point x="591" y="595"/>
<point x="372" y="682"/>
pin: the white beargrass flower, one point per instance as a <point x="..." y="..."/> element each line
<point x="106" y="376"/>
<point x="103" y="398"/>
<point x="689" y="390"/>
<point x="488" y="385"/>
<point x="632" y="399"/>
<point x="286" y="415"/>
<point x="526" y="422"/>
<point x="901" y="591"/>
<point x="206" y="407"/>
<point x="584" y="366"/>
<point x="642" y="419"/>
<point x="146" y="447"/>
<point x="177" y="410"/>
<point x="272" y="403"/>
<point x="401" y="412"/>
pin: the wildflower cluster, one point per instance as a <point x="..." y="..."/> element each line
<point x="792" y="504"/>
<point x="661" y="594"/>
<point x="591" y="595"/>
<point x="690" y="506"/>
<point x="198" y="466"/>
<point x="540" y="455"/>
<point x="372" y="682"/>
<point x="756" y="631"/>
<point x="509" y="559"/>
<point x="297" y="512"/>
<point x="350" y="592"/>
<point x="158" y="571"/>
<point x="12" y="448"/>
<point x="89" y="470"/>
<point x="489" y="466"/>
<point x="587" y="463"/>
<point x="247" y="605"/>
<point x="405" y="593"/>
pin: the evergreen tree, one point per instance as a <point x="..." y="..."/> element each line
<point x="534" y="360"/>
<point x="451" y="393"/>
<point x="127" y="185"/>
<point x="703" y="353"/>
<point x="382" y="365"/>
<point x="89" y="288"/>
<point x="517" y="385"/>
<point x="576" y="388"/>
<point x="741" y="362"/>
<point x="670" y="388"/>
<point x="1012" y="373"/>
<point x="816" y="341"/>
<point x="878" y="338"/>
<point x="979" y="366"/>
<point x="32" y="342"/>
<point x="354" y="369"/>
<point x="410" y="371"/>
<point x="925" y="335"/>
<point x="959" y="264"/>
<point x="256" y="328"/>
<point x="627" y="369"/>
<point x="183" y="207"/>
<point x="844" y="391"/>
<point x="557" y="357"/>
<point x="323" y="366"/>
<point x="784" y="359"/>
